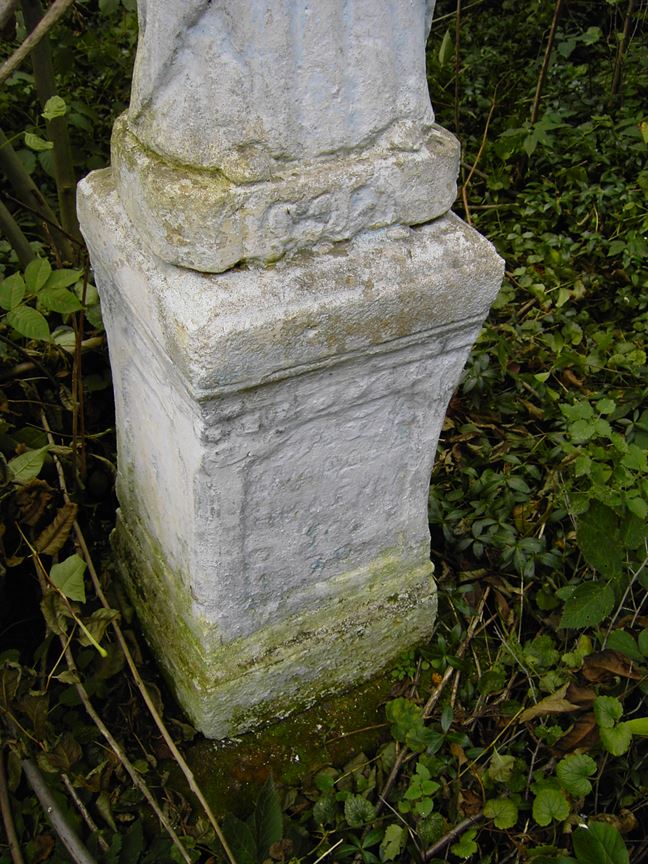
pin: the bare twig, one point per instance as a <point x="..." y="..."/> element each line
<point x="83" y="810"/>
<point x="535" y="110"/>
<point x="451" y="836"/>
<point x="7" y="9"/>
<point x="7" y="816"/>
<point x="141" y="686"/>
<point x="434" y="698"/>
<point x="56" y="10"/>
<point x="621" y="53"/>
<point x="14" y="234"/>
<point x="68" y="837"/>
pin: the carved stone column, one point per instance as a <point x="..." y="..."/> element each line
<point x="288" y="313"/>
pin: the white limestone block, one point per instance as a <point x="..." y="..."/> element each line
<point x="261" y="127"/>
<point x="276" y="432"/>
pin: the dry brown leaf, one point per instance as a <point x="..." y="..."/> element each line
<point x="555" y="703"/>
<point x="32" y="499"/>
<point x="582" y="736"/>
<point x="603" y="665"/>
<point x="582" y="696"/>
<point x="52" y="538"/>
<point x="625" y="822"/>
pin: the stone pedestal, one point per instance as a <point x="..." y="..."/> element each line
<point x="277" y="419"/>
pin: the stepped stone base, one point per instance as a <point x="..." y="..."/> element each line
<point x="276" y="433"/>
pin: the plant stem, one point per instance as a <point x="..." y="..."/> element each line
<point x="14" y="234"/>
<point x="141" y="686"/>
<point x="623" y="47"/>
<point x="56" y="10"/>
<point x="74" y="846"/>
<point x="57" y="128"/>
<point x="434" y="698"/>
<point x="31" y="197"/>
<point x="7" y="817"/>
<point x="457" y="831"/>
<point x="83" y="810"/>
<point x="457" y="66"/>
<point x="535" y="110"/>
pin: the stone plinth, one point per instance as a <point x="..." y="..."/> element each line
<point x="276" y="432"/>
<point x="289" y="306"/>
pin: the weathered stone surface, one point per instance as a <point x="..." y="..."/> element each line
<point x="276" y="432"/>
<point x="257" y="128"/>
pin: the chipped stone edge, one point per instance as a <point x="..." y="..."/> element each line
<point x="202" y="220"/>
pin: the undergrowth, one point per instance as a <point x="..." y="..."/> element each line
<point x="518" y="733"/>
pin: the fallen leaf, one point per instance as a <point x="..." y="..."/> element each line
<point x="582" y="736"/>
<point x="582" y="696"/>
<point x="32" y="500"/>
<point x="603" y="665"/>
<point x="555" y="703"/>
<point x="52" y="538"/>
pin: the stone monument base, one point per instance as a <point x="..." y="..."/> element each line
<point x="276" y="433"/>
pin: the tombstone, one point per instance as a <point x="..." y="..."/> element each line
<point x="289" y="305"/>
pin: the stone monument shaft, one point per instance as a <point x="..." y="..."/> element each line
<point x="289" y="305"/>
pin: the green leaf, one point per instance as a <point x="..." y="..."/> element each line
<point x="500" y="768"/>
<point x="268" y="818"/>
<point x="63" y="278"/>
<point x="54" y="107"/>
<point x="573" y="771"/>
<point x="597" y="535"/>
<point x="68" y="577"/>
<point x="622" y="641"/>
<point x="37" y="273"/>
<point x="608" y="710"/>
<point x="12" y="291"/>
<point x="29" y="323"/>
<point x="502" y="811"/>
<point x="35" y="142"/>
<point x="617" y="740"/>
<point x="445" y="49"/>
<point x="600" y="843"/>
<point x="25" y="467"/>
<point x="240" y="839"/>
<point x="59" y="300"/>
<point x="590" y="603"/>
<point x="392" y="842"/>
<point x="550" y="804"/>
<point x="358" y="811"/>
<point x="466" y="846"/>
<point x="638" y="726"/>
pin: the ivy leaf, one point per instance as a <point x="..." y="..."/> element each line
<point x="29" y="323"/>
<point x="358" y="811"/>
<point x="573" y="771"/>
<point x="589" y="604"/>
<point x="466" y="846"/>
<point x="68" y="577"/>
<point x="600" y="843"/>
<point x="12" y="291"/>
<point x="25" y="467"/>
<point x="502" y="811"/>
<point x="550" y="804"/>
<point x="54" y="107"/>
<point x="392" y="842"/>
<point x="37" y="273"/>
